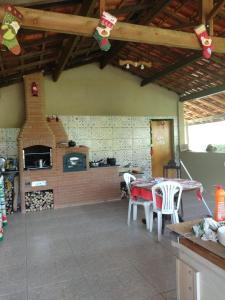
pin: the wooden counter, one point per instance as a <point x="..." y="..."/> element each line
<point x="200" y="266"/>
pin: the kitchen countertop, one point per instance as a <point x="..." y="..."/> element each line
<point x="104" y="166"/>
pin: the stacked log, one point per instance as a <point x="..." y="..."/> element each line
<point x="40" y="200"/>
<point x="8" y="195"/>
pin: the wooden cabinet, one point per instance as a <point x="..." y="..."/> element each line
<point x="188" y="281"/>
<point x="197" y="277"/>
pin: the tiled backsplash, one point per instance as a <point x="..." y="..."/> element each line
<point x="8" y="142"/>
<point x="125" y="138"/>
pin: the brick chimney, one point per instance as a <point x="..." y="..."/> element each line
<point x="35" y="130"/>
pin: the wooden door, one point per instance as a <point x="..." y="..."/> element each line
<point x="162" y="145"/>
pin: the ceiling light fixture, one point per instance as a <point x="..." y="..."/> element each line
<point x="142" y="64"/>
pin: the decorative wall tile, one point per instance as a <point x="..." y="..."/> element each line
<point x="122" y="144"/>
<point x="97" y="155"/>
<point x="11" y="134"/>
<point x="2" y="135"/>
<point x="139" y="154"/>
<point x="101" y="133"/>
<point x="123" y="157"/>
<point x="81" y="142"/>
<point x="84" y="121"/>
<point x="141" y="143"/>
<point x="141" y="133"/>
<point x="140" y="122"/>
<point x="12" y="149"/>
<point x="118" y="121"/>
<point x="3" y="149"/>
<point x="122" y="133"/>
<point x="101" y="121"/>
<point x="98" y="145"/>
<point x="72" y="133"/>
<point x="83" y="133"/>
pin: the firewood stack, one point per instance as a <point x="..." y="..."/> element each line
<point x="9" y="195"/>
<point x="40" y="200"/>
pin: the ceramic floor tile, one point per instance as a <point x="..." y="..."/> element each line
<point x="12" y="253"/>
<point x="120" y="283"/>
<point x="53" y="271"/>
<point x="13" y="279"/>
<point x="172" y="295"/>
<point x="42" y="250"/>
<point x="67" y="290"/>
<point x="15" y="295"/>
<point x="87" y="253"/>
<point x="161" y="272"/>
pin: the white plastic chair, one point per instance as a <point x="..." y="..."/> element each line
<point x="167" y="190"/>
<point x="133" y="202"/>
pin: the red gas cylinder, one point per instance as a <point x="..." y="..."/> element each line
<point x="219" y="213"/>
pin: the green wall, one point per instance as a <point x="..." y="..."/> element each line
<point x="87" y="90"/>
<point x="181" y="123"/>
<point x="12" y="106"/>
<point x="208" y="168"/>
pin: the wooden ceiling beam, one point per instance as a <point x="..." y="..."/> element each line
<point x="172" y="68"/>
<point x="207" y="92"/>
<point x="207" y="6"/>
<point x="86" y="10"/>
<point x="27" y="66"/>
<point x="212" y="105"/>
<point x="32" y="55"/>
<point x="184" y="26"/>
<point x="215" y="10"/>
<point x="85" y="26"/>
<point x="202" y="106"/>
<point x="130" y="9"/>
<point x="38" y="3"/>
<point x="152" y="13"/>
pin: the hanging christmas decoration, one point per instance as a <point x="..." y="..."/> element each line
<point x="102" y="31"/>
<point x="9" y="28"/>
<point x="34" y="89"/>
<point x="205" y="40"/>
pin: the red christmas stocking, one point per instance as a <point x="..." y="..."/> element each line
<point x="102" y="31"/>
<point x="9" y="28"/>
<point x="205" y="40"/>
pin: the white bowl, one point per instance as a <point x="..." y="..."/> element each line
<point x="221" y="235"/>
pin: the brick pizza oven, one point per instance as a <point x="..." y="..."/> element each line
<point x="51" y="173"/>
<point x="37" y="146"/>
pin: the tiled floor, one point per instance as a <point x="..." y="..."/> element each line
<point x="87" y="253"/>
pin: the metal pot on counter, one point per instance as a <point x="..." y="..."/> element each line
<point x="111" y="161"/>
<point x="94" y="164"/>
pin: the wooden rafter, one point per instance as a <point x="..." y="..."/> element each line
<point x="37" y="3"/>
<point x="207" y="6"/>
<point x="171" y="69"/>
<point x="27" y="66"/>
<point x="86" y="10"/>
<point x="204" y="93"/>
<point x="85" y="26"/>
<point x="198" y="108"/>
<point x="215" y="10"/>
<point x="130" y="9"/>
<point x="108" y="57"/>
<point x="212" y="105"/>
<point x="185" y="26"/>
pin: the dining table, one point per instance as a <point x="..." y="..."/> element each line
<point x="142" y="188"/>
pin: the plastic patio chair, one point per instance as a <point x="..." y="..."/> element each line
<point x="168" y="190"/>
<point x="135" y="202"/>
